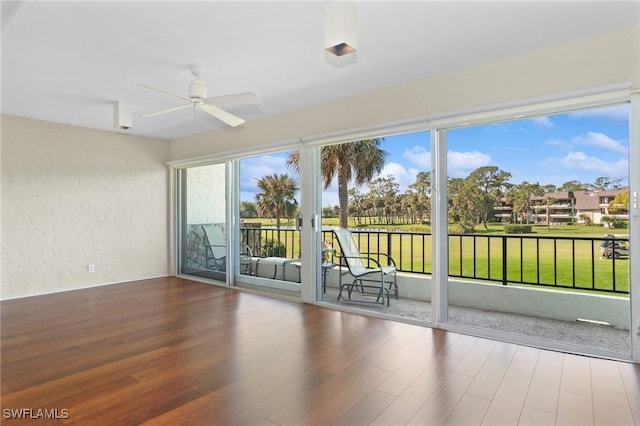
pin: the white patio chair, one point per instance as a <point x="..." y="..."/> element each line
<point x="216" y="250"/>
<point x="371" y="278"/>
<point x="215" y="246"/>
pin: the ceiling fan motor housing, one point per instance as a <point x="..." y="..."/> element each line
<point x="197" y="89"/>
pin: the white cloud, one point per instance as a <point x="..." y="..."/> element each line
<point x="460" y="164"/>
<point x="591" y="139"/>
<point x="561" y="143"/>
<point x="404" y="177"/>
<point x="599" y="140"/>
<point x="253" y="168"/>
<point x="582" y="162"/>
<point x="542" y="121"/>
<point x="419" y="156"/>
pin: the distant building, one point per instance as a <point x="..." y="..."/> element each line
<point x="575" y="206"/>
<point x="566" y="207"/>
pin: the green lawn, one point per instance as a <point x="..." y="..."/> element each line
<point x="532" y="262"/>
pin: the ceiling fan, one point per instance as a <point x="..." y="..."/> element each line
<point x="198" y="99"/>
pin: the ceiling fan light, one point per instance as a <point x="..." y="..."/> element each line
<point x="197" y="89"/>
<point x="340" y="27"/>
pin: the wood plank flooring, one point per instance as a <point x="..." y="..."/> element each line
<point x="170" y="351"/>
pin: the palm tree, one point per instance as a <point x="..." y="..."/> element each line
<point x="359" y="161"/>
<point x="277" y="197"/>
<point x="549" y="201"/>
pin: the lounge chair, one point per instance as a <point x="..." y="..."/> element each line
<point x="216" y="247"/>
<point x="371" y="278"/>
<point x="216" y="250"/>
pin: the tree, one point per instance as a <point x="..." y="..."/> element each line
<point x="383" y="191"/>
<point x="572" y="186"/>
<point x="490" y="181"/>
<point x="356" y="161"/>
<point x="604" y="183"/>
<point x="608" y="221"/>
<point x="356" y="206"/>
<point x="276" y="198"/>
<point x="465" y="203"/>
<point x="620" y="203"/>
<point x="586" y="219"/>
<point x="327" y="211"/>
<point x="549" y="201"/>
<point x="248" y="209"/>
<point x="520" y="196"/>
<point x="409" y="206"/>
<point x="421" y="188"/>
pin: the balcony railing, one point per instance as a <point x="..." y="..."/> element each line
<point x="566" y="262"/>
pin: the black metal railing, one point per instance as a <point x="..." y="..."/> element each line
<point x="569" y="262"/>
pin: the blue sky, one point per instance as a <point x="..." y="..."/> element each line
<point x="551" y="149"/>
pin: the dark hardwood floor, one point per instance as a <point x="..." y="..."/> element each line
<point x="170" y="351"/>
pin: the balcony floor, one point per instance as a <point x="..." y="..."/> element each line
<point x="585" y="334"/>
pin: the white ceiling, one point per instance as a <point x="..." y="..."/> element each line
<point x="67" y="62"/>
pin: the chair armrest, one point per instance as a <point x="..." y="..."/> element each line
<point x="367" y="258"/>
<point x="390" y="260"/>
<point x="245" y="250"/>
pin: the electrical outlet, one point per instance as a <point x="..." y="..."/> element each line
<point x="91" y="268"/>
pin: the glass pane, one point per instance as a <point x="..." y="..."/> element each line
<point x="204" y="242"/>
<point x="383" y="201"/>
<point x="538" y="233"/>
<point x="269" y="233"/>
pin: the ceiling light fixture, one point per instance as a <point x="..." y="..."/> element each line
<point x="122" y="115"/>
<point x="340" y="26"/>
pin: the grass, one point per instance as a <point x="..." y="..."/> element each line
<point x="481" y="257"/>
<point x="493" y="228"/>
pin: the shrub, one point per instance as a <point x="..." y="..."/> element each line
<point x="273" y="248"/>
<point x="517" y="229"/>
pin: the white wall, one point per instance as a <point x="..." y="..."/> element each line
<point x="206" y="198"/>
<point x="536" y="302"/>
<point x="73" y="196"/>
<point x="579" y="66"/>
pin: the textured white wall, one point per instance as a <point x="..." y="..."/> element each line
<point x="206" y="199"/>
<point x="72" y="197"/>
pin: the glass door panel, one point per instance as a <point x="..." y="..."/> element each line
<point x="203" y="242"/>
<point x="538" y="231"/>
<point x="379" y="190"/>
<point x="269" y="234"/>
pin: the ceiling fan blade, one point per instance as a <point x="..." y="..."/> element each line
<point x="164" y="111"/>
<point x="162" y="91"/>
<point x="222" y="115"/>
<point x="247" y="98"/>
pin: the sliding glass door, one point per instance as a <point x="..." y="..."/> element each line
<point x="538" y="233"/>
<point x="203" y="222"/>
<point x="376" y="206"/>
<point x="520" y="229"/>
<point x="269" y="226"/>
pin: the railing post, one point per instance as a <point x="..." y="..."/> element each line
<point x="504" y="260"/>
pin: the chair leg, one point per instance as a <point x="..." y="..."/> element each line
<point x="393" y="286"/>
<point x="354" y="284"/>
